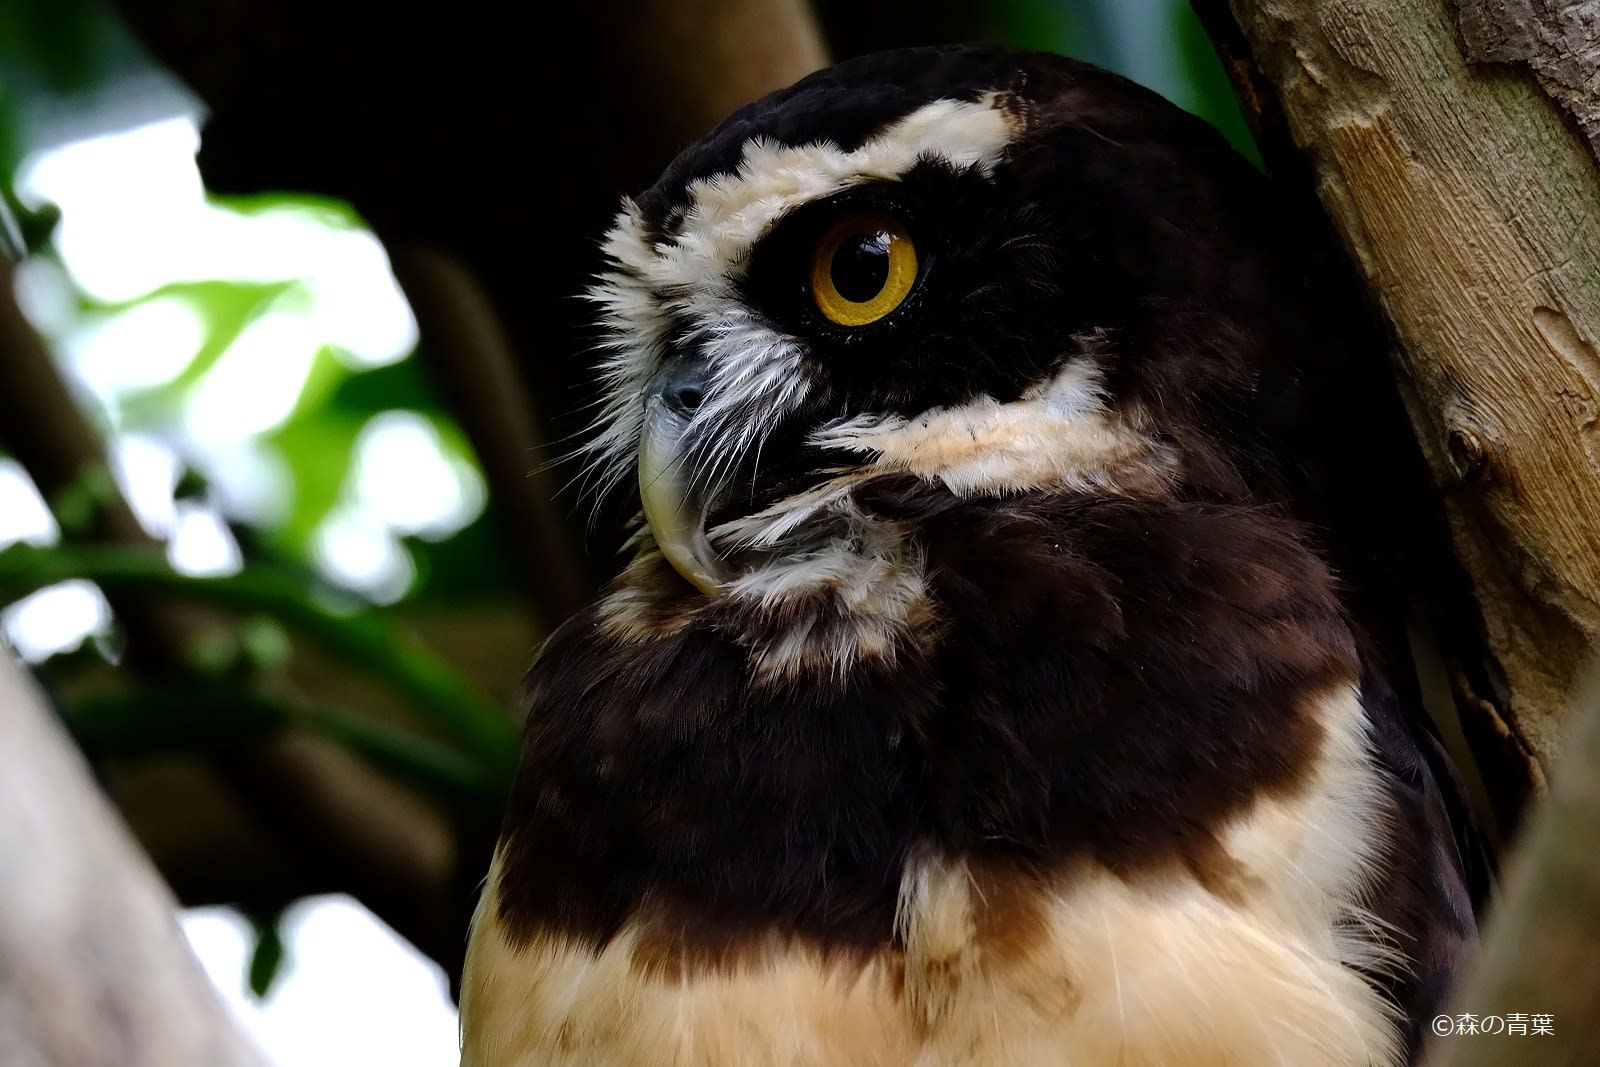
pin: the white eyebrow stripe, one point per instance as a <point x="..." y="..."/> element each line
<point x="690" y="276"/>
<point x="728" y="213"/>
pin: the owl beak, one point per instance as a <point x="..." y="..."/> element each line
<point x="674" y="506"/>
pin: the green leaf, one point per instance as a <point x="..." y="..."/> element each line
<point x="318" y="452"/>
<point x="210" y="713"/>
<point x="78" y="505"/>
<point x="225" y="308"/>
<point x="267" y="959"/>
<point x="61" y="46"/>
<point x="471" y="564"/>
<point x="1076" y="29"/>
<point x="1213" y="98"/>
<point x="398" y="385"/>
<point x="361" y="639"/>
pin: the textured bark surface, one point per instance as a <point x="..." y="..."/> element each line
<point x="1559" y="41"/>
<point x="1471" y="206"/>
<point x="1540" y="953"/>
<point x="94" y="971"/>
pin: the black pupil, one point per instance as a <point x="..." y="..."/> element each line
<point x="861" y="265"/>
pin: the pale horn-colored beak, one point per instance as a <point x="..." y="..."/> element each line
<point x="674" y="505"/>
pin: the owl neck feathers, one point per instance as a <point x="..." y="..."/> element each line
<point x="1061" y="677"/>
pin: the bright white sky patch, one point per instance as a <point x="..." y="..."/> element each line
<point x="119" y="197"/>
<point x="359" y="551"/>
<point x="351" y="991"/>
<point x="134" y="218"/>
<point x="356" y="302"/>
<point x="403" y="473"/>
<point x="23" y="514"/>
<point x="256" y="382"/>
<point x="202" y="544"/>
<point x="56" y="619"/>
<point x="44" y="294"/>
<point x="146" y="346"/>
<point x="250" y="481"/>
<point x="146" y="471"/>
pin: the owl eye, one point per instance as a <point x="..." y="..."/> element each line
<point x="862" y="268"/>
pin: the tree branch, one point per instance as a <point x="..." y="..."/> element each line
<point x="1472" y="210"/>
<point x="470" y="360"/>
<point x="93" y="969"/>
<point x="1559" y="40"/>
<point x="1542" y="952"/>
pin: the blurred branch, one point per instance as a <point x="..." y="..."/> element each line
<point x="205" y="715"/>
<point x="361" y="640"/>
<point x="96" y="972"/>
<point x="1542" y="952"/>
<point x="470" y="360"/>
<point x="707" y="57"/>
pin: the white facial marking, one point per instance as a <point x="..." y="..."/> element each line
<point x="1060" y="434"/>
<point x="876" y="603"/>
<point x="683" y="285"/>
<point x="687" y="279"/>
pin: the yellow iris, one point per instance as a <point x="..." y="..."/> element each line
<point x="862" y="268"/>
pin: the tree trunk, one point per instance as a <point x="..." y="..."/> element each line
<point x="93" y="969"/>
<point x="1542" y="953"/>
<point x="1470" y="204"/>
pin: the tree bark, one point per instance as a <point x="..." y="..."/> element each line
<point x="1468" y="196"/>
<point x="1559" y="41"/>
<point x="1470" y="205"/>
<point x="1542" y="952"/>
<point x="94" y="971"/>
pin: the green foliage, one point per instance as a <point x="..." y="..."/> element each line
<point x="269" y="954"/>
<point x="1213" y="98"/>
<point x="1073" y="29"/>
<point x="360" y="639"/>
<point x="209" y="712"/>
<point x="77" y="506"/>
<point x="1158" y="42"/>
<point x="63" y="47"/>
<point x="225" y="308"/>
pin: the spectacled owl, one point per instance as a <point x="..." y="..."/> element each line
<point x="989" y="685"/>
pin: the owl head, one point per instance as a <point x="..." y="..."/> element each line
<point x="983" y="271"/>
<point x="983" y="408"/>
